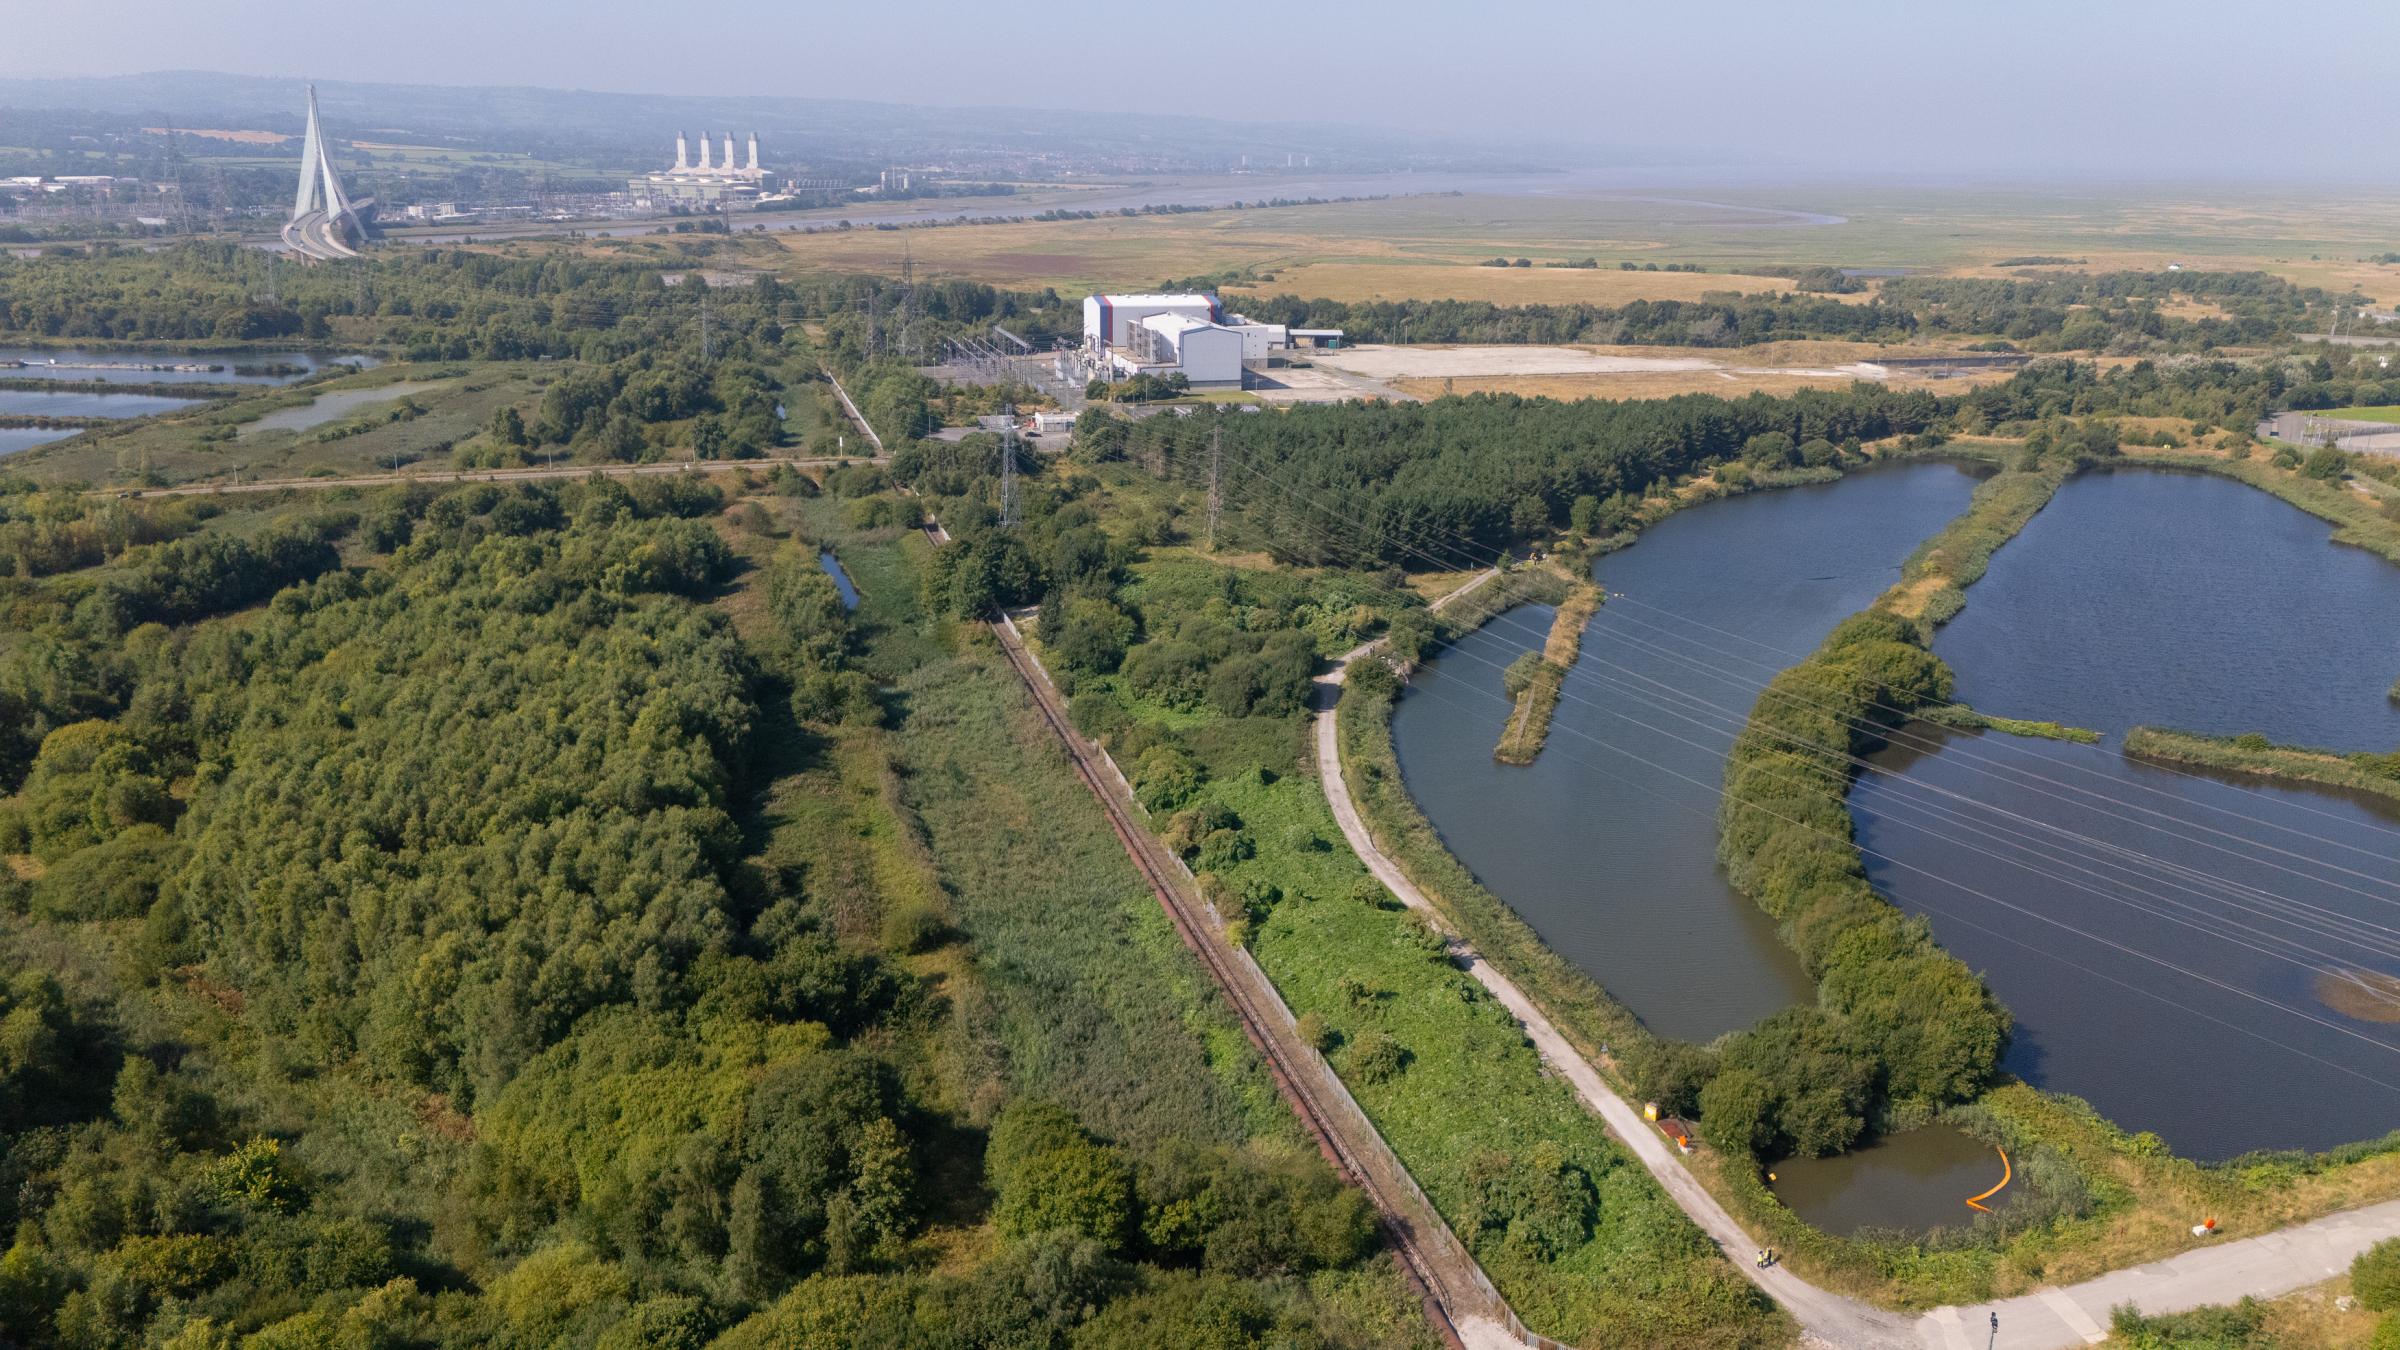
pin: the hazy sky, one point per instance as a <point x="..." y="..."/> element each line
<point x="2147" y="88"/>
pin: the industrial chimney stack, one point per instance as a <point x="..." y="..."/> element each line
<point x="683" y="154"/>
<point x="754" y="152"/>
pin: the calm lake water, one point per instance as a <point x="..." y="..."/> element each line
<point x="337" y="404"/>
<point x="13" y="439"/>
<point x="51" y="403"/>
<point x="2160" y="934"/>
<point x="1611" y="859"/>
<point x="123" y="367"/>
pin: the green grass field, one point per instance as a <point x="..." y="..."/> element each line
<point x="2389" y="412"/>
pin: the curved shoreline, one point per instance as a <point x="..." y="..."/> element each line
<point x="2050" y="1318"/>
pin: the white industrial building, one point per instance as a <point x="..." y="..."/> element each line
<point x="1202" y="352"/>
<point x="1188" y="334"/>
<point x="1109" y="320"/>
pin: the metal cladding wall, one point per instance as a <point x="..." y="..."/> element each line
<point x="1210" y="355"/>
<point x="1109" y="320"/>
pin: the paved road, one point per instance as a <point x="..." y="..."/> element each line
<point x="313" y="236"/>
<point x="2264" y="1266"/>
<point x="494" y="475"/>
<point x="2049" y="1319"/>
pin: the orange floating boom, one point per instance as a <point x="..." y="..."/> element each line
<point x="2006" y="1171"/>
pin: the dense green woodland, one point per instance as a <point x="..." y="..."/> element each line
<point x="435" y="980"/>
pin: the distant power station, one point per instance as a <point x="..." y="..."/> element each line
<point x="711" y="181"/>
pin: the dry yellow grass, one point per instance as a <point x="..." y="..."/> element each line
<point x="1428" y="246"/>
<point x="1663" y="384"/>
<point x="1428" y="279"/>
<point x="2379" y="281"/>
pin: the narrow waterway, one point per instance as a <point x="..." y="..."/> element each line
<point x="2163" y="936"/>
<point x="841" y="579"/>
<point x="1606" y="845"/>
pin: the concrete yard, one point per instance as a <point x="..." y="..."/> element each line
<point x="1420" y="363"/>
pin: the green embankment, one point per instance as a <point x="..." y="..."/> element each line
<point x="1529" y="722"/>
<point x="1579" y="1238"/>
<point x="1964" y="718"/>
<point x="2362" y="771"/>
<point x="1933" y="581"/>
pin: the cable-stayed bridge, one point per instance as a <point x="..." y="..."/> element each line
<point x="325" y="222"/>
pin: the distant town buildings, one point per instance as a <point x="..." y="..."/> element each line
<point x="711" y="181"/>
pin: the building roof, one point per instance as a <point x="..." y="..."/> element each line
<point x="1174" y="324"/>
<point x="1184" y="298"/>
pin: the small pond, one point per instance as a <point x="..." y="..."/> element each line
<point x="13" y="439"/>
<point x="1915" y="1181"/>
<point x="336" y="404"/>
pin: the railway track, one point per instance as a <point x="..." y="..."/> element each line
<point x="1459" y="1298"/>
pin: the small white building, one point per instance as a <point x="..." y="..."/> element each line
<point x="1259" y="340"/>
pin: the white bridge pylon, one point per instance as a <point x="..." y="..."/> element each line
<point x="322" y="217"/>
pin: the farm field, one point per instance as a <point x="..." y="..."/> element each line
<point x="1429" y="247"/>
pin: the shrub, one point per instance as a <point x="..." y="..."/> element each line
<point x="1377" y="1057"/>
<point x="914" y="926"/>
<point x="1320" y="1037"/>
<point x="2375" y="1276"/>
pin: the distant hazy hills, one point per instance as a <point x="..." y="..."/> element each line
<point x="581" y="124"/>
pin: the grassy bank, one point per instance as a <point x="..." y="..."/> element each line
<point x="1577" y="1236"/>
<point x="2362" y="771"/>
<point x="1933" y="582"/>
<point x="1574" y="1232"/>
<point x="1964" y="718"/>
<point x="1529" y="724"/>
